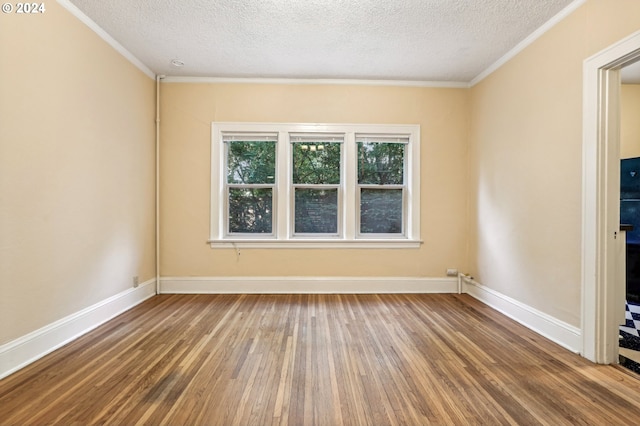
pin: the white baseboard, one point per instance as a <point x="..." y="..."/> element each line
<point x="564" y="334"/>
<point x="27" y="349"/>
<point x="327" y="285"/>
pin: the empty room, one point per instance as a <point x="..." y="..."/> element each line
<point x="319" y="212"/>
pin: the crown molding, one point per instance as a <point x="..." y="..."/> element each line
<point x="528" y="41"/>
<point x="319" y="81"/>
<point x="302" y="81"/>
<point x="106" y="37"/>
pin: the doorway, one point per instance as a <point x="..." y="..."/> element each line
<point x="602" y="284"/>
<point x="629" y="342"/>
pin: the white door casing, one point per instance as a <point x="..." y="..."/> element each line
<point x="600" y="198"/>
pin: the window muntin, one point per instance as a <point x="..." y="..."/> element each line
<point x="357" y="197"/>
<point x="250" y="183"/>
<point x="316" y="171"/>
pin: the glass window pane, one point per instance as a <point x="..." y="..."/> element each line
<point x="251" y="162"/>
<point x="380" y="163"/>
<point x="316" y="211"/>
<point x="316" y="163"/>
<point x="380" y="211"/>
<point x="250" y="210"/>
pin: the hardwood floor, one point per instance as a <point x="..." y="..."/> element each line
<point x="316" y="359"/>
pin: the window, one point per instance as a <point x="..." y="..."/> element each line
<point x="316" y="172"/>
<point x="381" y="184"/>
<point x="250" y="183"/>
<point x="311" y="185"/>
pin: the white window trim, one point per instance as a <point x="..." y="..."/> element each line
<point x="282" y="208"/>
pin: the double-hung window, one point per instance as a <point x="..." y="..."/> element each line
<point x="250" y="183"/>
<point x="381" y="184"/>
<point x="315" y="185"/>
<point x="316" y="171"/>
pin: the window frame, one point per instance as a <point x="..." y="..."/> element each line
<point x="403" y="186"/>
<point x="339" y="186"/>
<point x="283" y="236"/>
<point x="228" y="186"/>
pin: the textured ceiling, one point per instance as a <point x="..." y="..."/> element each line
<point x="417" y="40"/>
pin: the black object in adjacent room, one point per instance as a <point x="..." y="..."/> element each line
<point x="630" y="214"/>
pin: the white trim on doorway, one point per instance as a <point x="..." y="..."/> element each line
<point x="600" y="212"/>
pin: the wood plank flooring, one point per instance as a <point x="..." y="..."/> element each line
<point x="316" y="360"/>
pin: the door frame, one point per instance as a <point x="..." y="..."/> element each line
<point x="601" y="198"/>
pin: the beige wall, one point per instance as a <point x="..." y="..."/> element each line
<point x="526" y="162"/>
<point x="76" y="173"/>
<point x="187" y="111"/>
<point x="630" y="121"/>
<point x="500" y="162"/>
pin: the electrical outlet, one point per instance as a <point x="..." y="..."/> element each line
<point x="452" y="272"/>
<point x="135" y="281"/>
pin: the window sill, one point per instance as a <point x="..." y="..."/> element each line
<point x="316" y="244"/>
